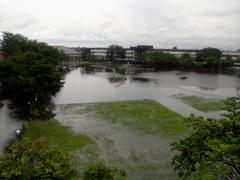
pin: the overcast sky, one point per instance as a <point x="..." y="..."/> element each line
<point x="162" y="23"/>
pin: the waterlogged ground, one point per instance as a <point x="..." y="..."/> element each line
<point x="142" y="150"/>
<point x="82" y="86"/>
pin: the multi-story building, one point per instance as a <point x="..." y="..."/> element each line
<point x="99" y="53"/>
<point x="233" y="54"/>
<point x="69" y="52"/>
<point x="180" y="52"/>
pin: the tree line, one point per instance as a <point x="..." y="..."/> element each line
<point x="207" y="58"/>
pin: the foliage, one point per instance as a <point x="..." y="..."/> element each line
<point x="86" y="54"/>
<point x="99" y="171"/>
<point x="115" y="52"/>
<point x="186" y="60"/>
<point x="35" y="161"/>
<point x="29" y="73"/>
<point x="207" y="53"/>
<point x="213" y="147"/>
<point x="160" y="59"/>
<point x="12" y="44"/>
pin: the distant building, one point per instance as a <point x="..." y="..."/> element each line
<point x="179" y="52"/>
<point x="139" y="50"/>
<point x="232" y="54"/>
<point x="136" y="53"/>
<point x="69" y="52"/>
<point x="99" y="53"/>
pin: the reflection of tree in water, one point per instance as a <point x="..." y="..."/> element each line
<point x="144" y="80"/>
<point x="141" y="79"/>
<point x="38" y="109"/>
<point x="207" y="88"/>
<point x="117" y="81"/>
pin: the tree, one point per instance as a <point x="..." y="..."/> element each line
<point x="115" y="52"/>
<point x="30" y="68"/>
<point x="35" y="161"/>
<point x="29" y="73"/>
<point x="186" y="60"/>
<point x="207" y="53"/>
<point x="160" y="59"/>
<point x="99" y="171"/>
<point x="213" y="148"/>
<point x="86" y="54"/>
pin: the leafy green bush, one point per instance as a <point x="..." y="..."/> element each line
<point x="28" y="160"/>
<point x="212" y="150"/>
<point x="99" y="171"/>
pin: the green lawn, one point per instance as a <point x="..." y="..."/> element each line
<point x="144" y="116"/>
<point x="56" y="135"/>
<point x="203" y="104"/>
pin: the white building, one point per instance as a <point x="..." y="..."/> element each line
<point x="233" y="54"/>
<point x="69" y="52"/>
<point x="99" y="53"/>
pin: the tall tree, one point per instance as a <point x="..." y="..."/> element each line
<point x="208" y="53"/>
<point x="29" y="73"/>
<point x="115" y="52"/>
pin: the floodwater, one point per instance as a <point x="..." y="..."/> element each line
<point x="142" y="156"/>
<point x="82" y="87"/>
<point x="8" y="125"/>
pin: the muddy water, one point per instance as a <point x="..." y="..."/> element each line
<point x="8" y="125"/>
<point x="143" y="156"/>
<point x="81" y="87"/>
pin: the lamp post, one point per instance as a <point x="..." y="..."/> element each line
<point x="18" y="133"/>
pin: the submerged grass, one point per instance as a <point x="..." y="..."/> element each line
<point x="203" y="104"/>
<point x="144" y="116"/>
<point x="56" y="135"/>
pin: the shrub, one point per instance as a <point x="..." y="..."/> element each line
<point x="99" y="171"/>
<point x="27" y="160"/>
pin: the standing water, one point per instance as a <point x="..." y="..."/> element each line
<point x="8" y="125"/>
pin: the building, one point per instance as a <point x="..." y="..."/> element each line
<point x="99" y="53"/>
<point x="232" y="54"/>
<point x="69" y="52"/>
<point x="179" y="52"/>
<point x="139" y="51"/>
<point x="129" y="55"/>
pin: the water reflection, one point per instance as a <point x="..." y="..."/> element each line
<point x="101" y="86"/>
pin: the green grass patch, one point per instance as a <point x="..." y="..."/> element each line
<point x="144" y="116"/>
<point x="203" y="104"/>
<point x="56" y="135"/>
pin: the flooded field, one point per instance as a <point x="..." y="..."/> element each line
<point x="82" y="87"/>
<point x="144" y="156"/>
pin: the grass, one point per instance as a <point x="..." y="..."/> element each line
<point x="56" y="135"/>
<point x="203" y="104"/>
<point x="143" y="116"/>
